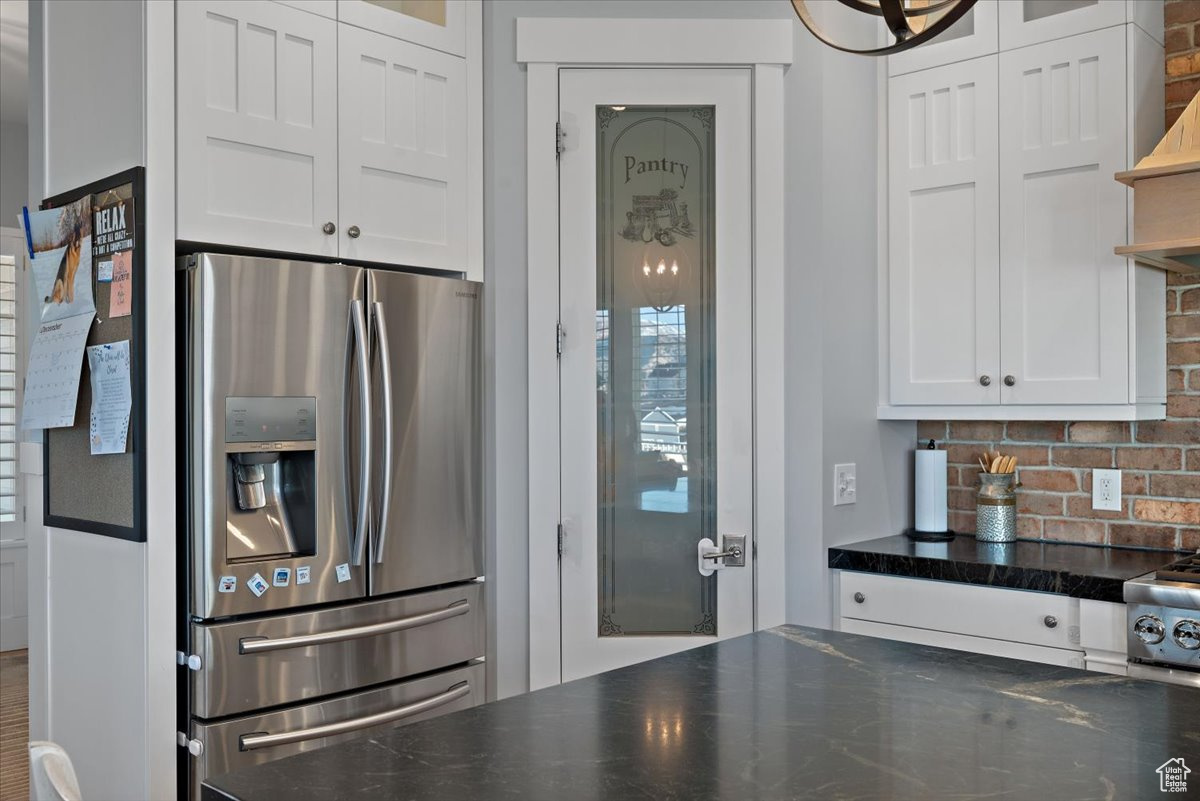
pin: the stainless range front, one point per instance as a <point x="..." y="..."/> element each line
<point x="334" y="554"/>
<point x="1163" y="615"/>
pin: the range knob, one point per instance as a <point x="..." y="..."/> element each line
<point x="1187" y="635"/>
<point x="1149" y="629"/>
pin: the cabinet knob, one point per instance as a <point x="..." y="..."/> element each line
<point x="859" y="598"/>
<point x="329" y="228"/>
<point x="1051" y="621"/>
<point x="1009" y="380"/>
<point x="353" y="232"/>
<point x="985" y="380"/>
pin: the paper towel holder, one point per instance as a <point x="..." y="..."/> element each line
<point x="929" y="536"/>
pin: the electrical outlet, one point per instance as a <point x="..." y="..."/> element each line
<point x="845" y="488"/>
<point x="1106" y="490"/>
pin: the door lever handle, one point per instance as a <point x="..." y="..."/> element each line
<point x="734" y="553"/>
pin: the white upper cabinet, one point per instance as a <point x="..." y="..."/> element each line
<point x="438" y="24"/>
<point x="304" y="134"/>
<point x="403" y="150"/>
<point x="943" y="248"/>
<point x="975" y="35"/>
<point x="257" y="126"/>
<point x="1026" y="22"/>
<point x="326" y="8"/>
<point x="1064" y="295"/>
<point x="1002" y="297"/>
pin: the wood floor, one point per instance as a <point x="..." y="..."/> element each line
<point x="14" y="726"/>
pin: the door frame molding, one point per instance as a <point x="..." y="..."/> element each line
<point x="545" y="45"/>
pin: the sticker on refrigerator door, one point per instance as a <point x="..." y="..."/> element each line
<point x="257" y="584"/>
<point x="282" y="576"/>
<point x="303" y="574"/>
<point x="228" y="584"/>
<point x="343" y="572"/>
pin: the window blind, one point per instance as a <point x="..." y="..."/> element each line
<point x="8" y="389"/>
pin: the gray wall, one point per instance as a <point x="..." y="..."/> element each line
<point x="14" y="171"/>
<point x="830" y="331"/>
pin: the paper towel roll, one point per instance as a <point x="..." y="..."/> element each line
<point x="931" y="491"/>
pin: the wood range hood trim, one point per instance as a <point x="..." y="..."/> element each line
<point x="1166" y="199"/>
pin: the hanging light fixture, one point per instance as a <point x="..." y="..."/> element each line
<point x="909" y="22"/>
<point x="660" y="277"/>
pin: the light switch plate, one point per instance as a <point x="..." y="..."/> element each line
<point x="845" y="485"/>
<point x="1106" y="490"/>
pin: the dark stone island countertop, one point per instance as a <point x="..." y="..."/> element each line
<point x="1080" y="571"/>
<point x="791" y="713"/>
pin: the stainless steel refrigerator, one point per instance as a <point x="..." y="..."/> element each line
<point x="333" y="546"/>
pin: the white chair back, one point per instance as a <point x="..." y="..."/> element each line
<point x="51" y="773"/>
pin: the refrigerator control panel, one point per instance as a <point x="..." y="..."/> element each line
<point x="270" y="419"/>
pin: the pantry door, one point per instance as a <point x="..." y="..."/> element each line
<point x="656" y="433"/>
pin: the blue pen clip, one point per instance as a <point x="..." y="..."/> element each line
<point x="28" y="233"/>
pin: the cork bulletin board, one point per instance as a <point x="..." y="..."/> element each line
<point x="105" y="494"/>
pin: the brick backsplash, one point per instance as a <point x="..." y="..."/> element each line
<point x="1159" y="460"/>
<point x="1182" y="32"/>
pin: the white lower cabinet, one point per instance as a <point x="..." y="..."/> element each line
<point x="1017" y="624"/>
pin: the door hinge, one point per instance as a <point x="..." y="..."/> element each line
<point x="561" y="536"/>
<point x="560" y="334"/>
<point x="559" y="136"/>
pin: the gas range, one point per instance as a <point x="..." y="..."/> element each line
<point x="1163" y="613"/>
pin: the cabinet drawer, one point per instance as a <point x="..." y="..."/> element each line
<point x="989" y="612"/>
<point x="279" y="660"/>
<point x="254" y="739"/>
<point x="963" y="642"/>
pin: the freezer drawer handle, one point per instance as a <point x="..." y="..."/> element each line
<point x="258" y="645"/>
<point x="251" y="742"/>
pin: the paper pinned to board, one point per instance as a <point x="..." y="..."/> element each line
<point x="52" y="380"/>
<point x="62" y="259"/>
<point x="120" y="296"/>
<point x="112" y="398"/>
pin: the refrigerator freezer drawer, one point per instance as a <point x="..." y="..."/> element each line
<point x="260" y="663"/>
<point x="254" y="739"/>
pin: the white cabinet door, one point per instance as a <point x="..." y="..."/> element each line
<point x="1064" y="295"/>
<point x="257" y="126"/>
<point x="943" y="267"/>
<point x="439" y="24"/>
<point x="403" y="152"/>
<point x="975" y="35"/>
<point x="1026" y="22"/>
<point x="326" y="8"/>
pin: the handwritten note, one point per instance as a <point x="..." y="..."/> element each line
<point x="111" y="396"/>
<point x="122" y="284"/>
<point x="52" y="381"/>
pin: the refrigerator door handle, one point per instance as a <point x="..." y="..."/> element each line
<point x="256" y="740"/>
<point x="363" y="363"/>
<point x="258" y="645"/>
<point x="385" y="365"/>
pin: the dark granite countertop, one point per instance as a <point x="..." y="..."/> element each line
<point x="1080" y="571"/>
<point x="789" y="713"/>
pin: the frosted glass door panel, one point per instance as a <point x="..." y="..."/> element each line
<point x="655" y="368"/>
<point x="971" y="37"/>
<point x="1026" y="22"/>
<point x="655" y="371"/>
<point x="439" y="24"/>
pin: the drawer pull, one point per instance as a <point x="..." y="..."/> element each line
<point x="250" y="742"/>
<point x="258" y="645"/>
<point x="1051" y="621"/>
<point x="859" y="598"/>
